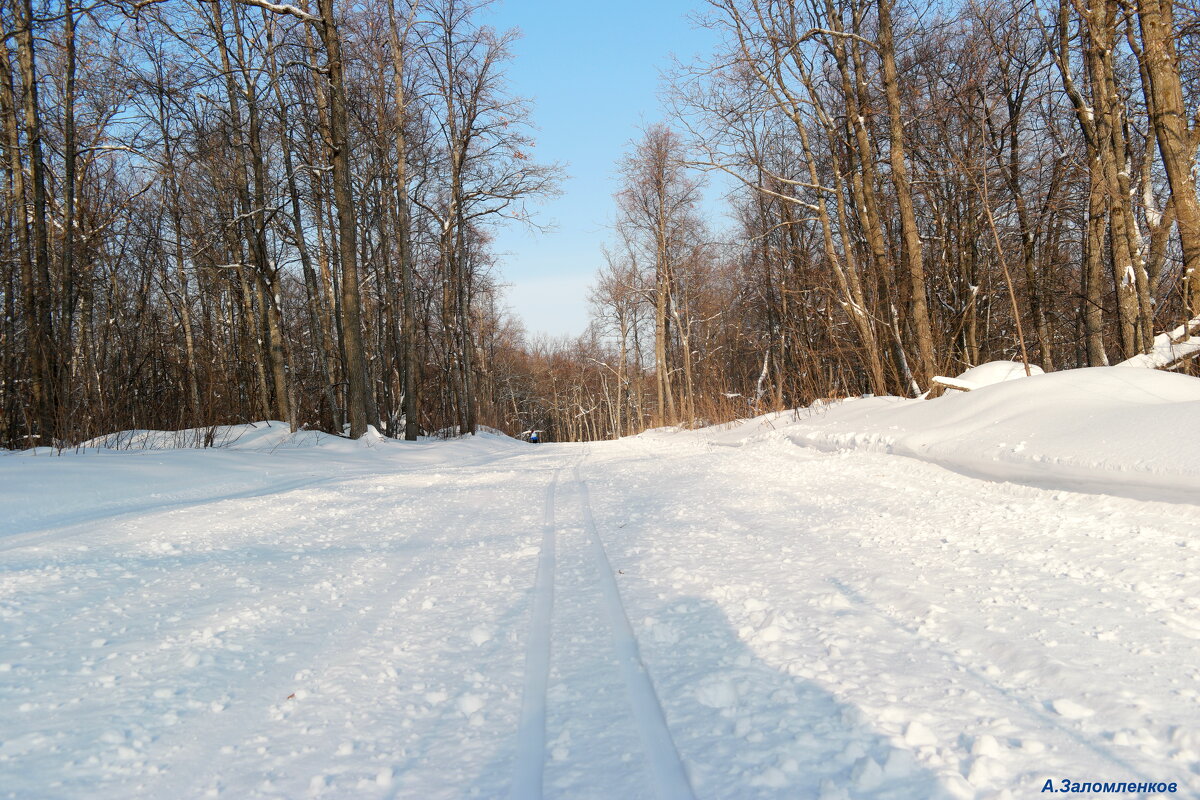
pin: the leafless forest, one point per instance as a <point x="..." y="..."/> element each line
<point x="218" y="211"/>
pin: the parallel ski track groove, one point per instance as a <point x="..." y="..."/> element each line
<point x="531" y="730"/>
<point x="662" y="757"/>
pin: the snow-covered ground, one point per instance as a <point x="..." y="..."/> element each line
<point x="784" y="608"/>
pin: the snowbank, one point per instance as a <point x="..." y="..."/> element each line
<point x="254" y="436"/>
<point x="1117" y="431"/>
<point x="135" y="471"/>
<point x="986" y="375"/>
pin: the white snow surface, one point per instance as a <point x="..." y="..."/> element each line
<point x="717" y="613"/>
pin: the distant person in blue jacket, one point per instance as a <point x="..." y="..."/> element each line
<point x="533" y="437"/>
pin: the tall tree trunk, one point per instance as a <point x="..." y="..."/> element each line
<point x="1176" y="137"/>
<point x="1097" y="216"/>
<point x="65" y="346"/>
<point x="864" y="184"/>
<point x="410" y="365"/>
<point x="268" y="273"/>
<point x="30" y="293"/>
<point x="42" y="356"/>
<point x="1092" y="274"/>
<point x="662" y="331"/>
<point x="317" y="321"/>
<point x="339" y="126"/>
<point x="913" y="251"/>
<point x="247" y="216"/>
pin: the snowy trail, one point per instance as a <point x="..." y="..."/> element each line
<point x="595" y="747"/>
<point x="657" y="617"/>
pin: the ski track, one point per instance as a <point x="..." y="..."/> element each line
<point x="531" y="733"/>
<point x="594" y="749"/>
<point x="590" y="579"/>
<point x="669" y="776"/>
<point x="811" y="625"/>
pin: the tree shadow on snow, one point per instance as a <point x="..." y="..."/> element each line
<point x="747" y="729"/>
<point x="743" y="728"/>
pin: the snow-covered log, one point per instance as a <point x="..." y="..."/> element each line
<point x="988" y="374"/>
<point x="1169" y="348"/>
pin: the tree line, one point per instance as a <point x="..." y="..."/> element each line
<point x="917" y="190"/>
<point x="229" y="210"/>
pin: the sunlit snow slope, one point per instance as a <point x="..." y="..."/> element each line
<point x="724" y="613"/>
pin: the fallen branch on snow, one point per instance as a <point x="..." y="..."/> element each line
<point x="954" y="383"/>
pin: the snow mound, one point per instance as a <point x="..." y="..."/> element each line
<point x="265" y="436"/>
<point x="481" y="432"/>
<point x="493" y="433"/>
<point x="987" y="374"/>
<point x="1103" y="429"/>
<point x="995" y="372"/>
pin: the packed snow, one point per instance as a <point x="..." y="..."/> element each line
<point x="963" y="597"/>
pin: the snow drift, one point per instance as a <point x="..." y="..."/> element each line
<point x="1105" y="429"/>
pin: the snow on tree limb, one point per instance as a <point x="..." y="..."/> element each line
<point x="1169" y="348"/>
<point x="282" y="8"/>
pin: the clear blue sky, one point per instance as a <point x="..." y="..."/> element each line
<point x="592" y="70"/>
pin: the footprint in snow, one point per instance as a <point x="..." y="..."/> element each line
<point x="1070" y="709"/>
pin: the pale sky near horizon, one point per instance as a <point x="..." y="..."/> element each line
<point x="592" y="71"/>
